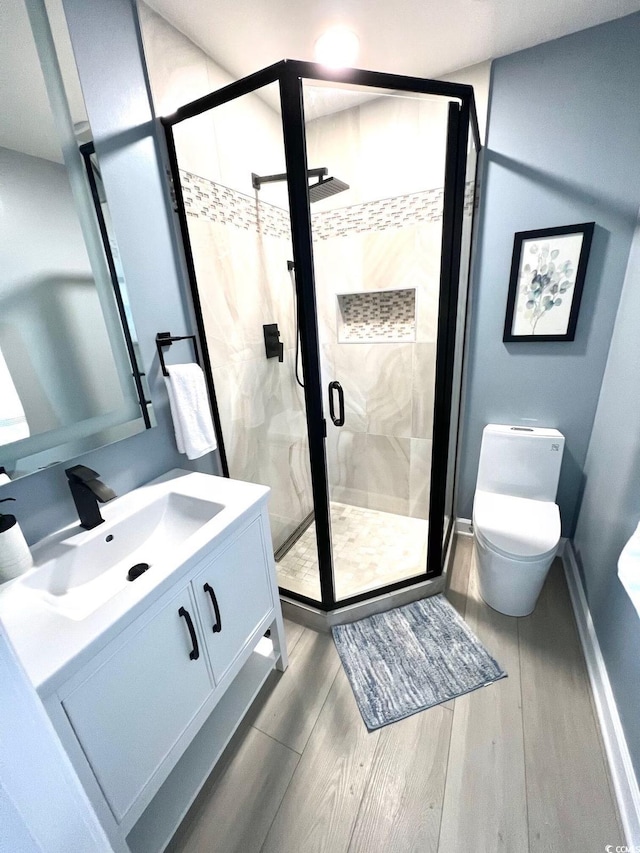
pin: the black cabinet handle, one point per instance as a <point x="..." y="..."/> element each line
<point x="336" y="386"/>
<point x="194" y="654"/>
<point x="217" y="625"/>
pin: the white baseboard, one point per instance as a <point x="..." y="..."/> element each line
<point x="624" y="780"/>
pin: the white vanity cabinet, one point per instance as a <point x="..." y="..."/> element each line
<point x="232" y="598"/>
<point x="131" y="711"/>
<point x="145" y="715"/>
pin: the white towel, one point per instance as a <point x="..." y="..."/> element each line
<point x="190" y="411"/>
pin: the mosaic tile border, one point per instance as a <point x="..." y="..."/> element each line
<point x="396" y="212"/>
<point x="205" y="199"/>
<point x="377" y="316"/>
<point x="379" y="215"/>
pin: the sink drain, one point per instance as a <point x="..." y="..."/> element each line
<point x="137" y="570"/>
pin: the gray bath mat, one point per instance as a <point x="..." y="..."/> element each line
<point x="411" y="658"/>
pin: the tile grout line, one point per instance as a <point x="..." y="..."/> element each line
<point x="277" y="812"/>
<point x="313" y="728"/>
<point x="290" y="749"/>
<point x="453" y="710"/>
<point x="446" y="777"/>
<point x="524" y="747"/>
<point x="275" y="739"/>
<point x="290" y="650"/>
<point x="284" y="794"/>
<point x="290" y="654"/>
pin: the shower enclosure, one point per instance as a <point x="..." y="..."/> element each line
<point x="326" y="217"/>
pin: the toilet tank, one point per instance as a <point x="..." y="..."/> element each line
<point x="520" y="461"/>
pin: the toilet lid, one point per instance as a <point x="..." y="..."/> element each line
<point x="517" y="526"/>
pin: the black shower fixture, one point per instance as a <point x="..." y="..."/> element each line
<point x="323" y="188"/>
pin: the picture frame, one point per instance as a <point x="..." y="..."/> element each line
<point x="548" y="268"/>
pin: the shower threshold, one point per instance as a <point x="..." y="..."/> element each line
<point x="371" y="549"/>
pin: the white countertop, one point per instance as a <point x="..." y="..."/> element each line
<point x="49" y="643"/>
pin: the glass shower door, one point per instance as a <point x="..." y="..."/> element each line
<point x="237" y="233"/>
<point x="377" y="239"/>
<point x="322" y="225"/>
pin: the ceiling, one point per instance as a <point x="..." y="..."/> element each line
<point x="427" y="38"/>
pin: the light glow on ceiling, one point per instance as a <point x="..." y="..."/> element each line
<point x="337" y="47"/>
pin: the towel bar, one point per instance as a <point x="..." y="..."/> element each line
<point x="165" y="339"/>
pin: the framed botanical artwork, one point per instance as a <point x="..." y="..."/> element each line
<point x="547" y="276"/>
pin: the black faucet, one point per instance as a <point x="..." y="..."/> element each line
<point x="87" y="490"/>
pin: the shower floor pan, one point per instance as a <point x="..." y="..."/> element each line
<point x="370" y="548"/>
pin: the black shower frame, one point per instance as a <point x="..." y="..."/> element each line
<point x="291" y="74"/>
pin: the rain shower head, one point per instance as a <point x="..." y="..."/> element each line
<point x="324" y="187"/>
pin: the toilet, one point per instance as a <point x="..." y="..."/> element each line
<point x="516" y="522"/>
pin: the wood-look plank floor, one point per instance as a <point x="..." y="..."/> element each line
<point x="517" y="766"/>
<point x="486" y="758"/>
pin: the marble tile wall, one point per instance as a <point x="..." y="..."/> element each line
<point x="382" y="234"/>
<point x="240" y="247"/>
<point x="380" y="459"/>
<point x="244" y="283"/>
<point x="225" y="144"/>
<point x="384" y="147"/>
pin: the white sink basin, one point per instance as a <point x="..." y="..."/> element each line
<point x="77" y="598"/>
<point x="78" y="574"/>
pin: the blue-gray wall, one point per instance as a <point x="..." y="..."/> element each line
<point x="108" y="52"/>
<point x="563" y="147"/>
<point x="610" y="507"/>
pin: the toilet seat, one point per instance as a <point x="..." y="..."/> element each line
<point x="516" y="527"/>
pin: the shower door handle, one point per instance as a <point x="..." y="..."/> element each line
<point x="336" y="386"/>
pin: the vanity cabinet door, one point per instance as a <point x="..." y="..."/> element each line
<point x="233" y="595"/>
<point x="131" y="711"/>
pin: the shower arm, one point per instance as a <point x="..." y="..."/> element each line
<point x="258" y="180"/>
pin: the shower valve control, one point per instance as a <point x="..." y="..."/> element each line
<point x="273" y="346"/>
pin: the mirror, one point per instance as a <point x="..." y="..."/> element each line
<point x="69" y="380"/>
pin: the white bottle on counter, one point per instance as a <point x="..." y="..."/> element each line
<point x="15" y="556"/>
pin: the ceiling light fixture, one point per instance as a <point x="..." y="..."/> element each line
<point x="337" y="47"/>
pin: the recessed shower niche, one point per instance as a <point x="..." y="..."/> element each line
<point x="381" y="316"/>
<point x="293" y="213"/>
